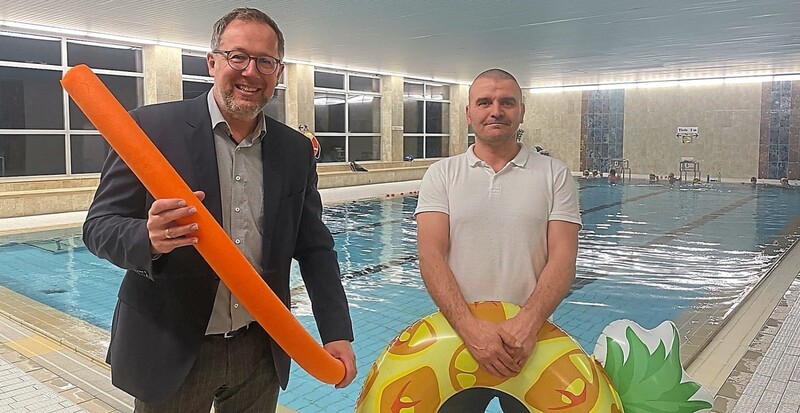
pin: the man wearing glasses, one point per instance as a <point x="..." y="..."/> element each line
<point x="180" y="341"/>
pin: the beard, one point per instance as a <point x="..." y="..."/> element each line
<point x="241" y="109"/>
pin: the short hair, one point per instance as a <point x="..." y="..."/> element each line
<point x="249" y="15"/>
<point x="497" y="74"/>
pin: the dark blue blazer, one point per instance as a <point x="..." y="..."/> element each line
<point x="164" y="306"/>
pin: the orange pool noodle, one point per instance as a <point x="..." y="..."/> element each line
<point x="158" y="176"/>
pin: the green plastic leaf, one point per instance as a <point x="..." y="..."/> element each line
<point x="650" y="382"/>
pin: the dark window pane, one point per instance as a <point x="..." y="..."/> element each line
<point x="437" y="92"/>
<point x="470" y="139"/>
<point x="21" y="49"/>
<point x="329" y="112"/>
<point x="412" y="116"/>
<point x="331" y="148"/>
<point x="126" y="89"/>
<point x="98" y="57"/>
<point x="194" y="65"/>
<point x="365" y="113"/>
<point x="364" y="148"/>
<point x="413" y="90"/>
<point x="87" y="153"/>
<point x="192" y="90"/>
<point x="30" y="99"/>
<point x="437" y="117"/>
<point x="412" y="145"/>
<point x="437" y="146"/>
<point x="329" y="80"/>
<point x="276" y="108"/>
<point x="24" y="155"/>
<point x="365" y="84"/>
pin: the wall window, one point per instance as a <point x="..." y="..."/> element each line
<point x="196" y="82"/>
<point x="126" y="59"/>
<point x="24" y="91"/>
<point x="426" y="120"/>
<point x="39" y="136"/>
<point x="347" y="116"/>
<point x="32" y="154"/>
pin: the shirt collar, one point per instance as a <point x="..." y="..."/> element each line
<point x="519" y="161"/>
<point x="217" y="118"/>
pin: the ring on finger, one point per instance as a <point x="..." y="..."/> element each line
<point x="167" y="234"/>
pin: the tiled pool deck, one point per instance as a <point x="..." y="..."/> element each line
<point x="50" y="362"/>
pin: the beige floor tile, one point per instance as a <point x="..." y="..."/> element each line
<point x="96" y="406"/>
<point x="34" y="346"/>
<point x="59" y="384"/>
<point x="42" y="375"/>
<point x="76" y="395"/>
<point x="27" y="365"/>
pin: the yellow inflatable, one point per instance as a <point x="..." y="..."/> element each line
<point x="428" y="363"/>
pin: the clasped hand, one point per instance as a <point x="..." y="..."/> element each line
<point x="501" y="349"/>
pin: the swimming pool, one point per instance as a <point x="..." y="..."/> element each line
<point x="648" y="253"/>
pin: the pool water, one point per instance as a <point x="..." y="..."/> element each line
<point x="647" y="253"/>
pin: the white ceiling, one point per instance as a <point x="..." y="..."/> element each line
<point x="543" y="43"/>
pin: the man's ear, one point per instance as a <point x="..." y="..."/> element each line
<point x="211" y="63"/>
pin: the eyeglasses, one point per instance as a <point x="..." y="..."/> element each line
<point x="239" y="60"/>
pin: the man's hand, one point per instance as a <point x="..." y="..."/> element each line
<point x="519" y="339"/>
<point x="485" y="342"/>
<point x="165" y="234"/>
<point x="342" y="350"/>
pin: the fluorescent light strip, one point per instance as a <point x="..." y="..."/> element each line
<point x="782" y="78"/>
<point x="580" y="88"/>
<point x="28" y="36"/>
<point x="669" y="83"/>
<point x="665" y="83"/>
<point x="98" y="44"/>
<point x="701" y="82"/>
<point x="557" y="89"/>
<point x="748" y="79"/>
<point x="618" y="86"/>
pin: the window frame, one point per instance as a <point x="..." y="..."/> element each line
<point x="346" y="93"/>
<point x="66" y="130"/>
<point x="426" y="98"/>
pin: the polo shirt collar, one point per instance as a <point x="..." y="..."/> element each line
<point x="519" y="161"/>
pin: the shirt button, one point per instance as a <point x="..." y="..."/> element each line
<point x="238" y="177"/>
<point x="238" y="241"/>
<point x="236" y="305"/>
<point x="237" y="209"/>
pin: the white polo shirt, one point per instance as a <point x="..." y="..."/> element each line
<point x="498" y="221"/>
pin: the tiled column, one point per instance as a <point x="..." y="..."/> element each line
<point x="299" y="79"/>
<point x="391" y="118"/>
<point x="459" y="98"/>
<point x="162" y="74"/>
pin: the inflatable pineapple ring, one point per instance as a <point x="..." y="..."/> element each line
<point x="428" y="363"/>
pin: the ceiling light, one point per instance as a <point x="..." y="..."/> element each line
<point x="781" y="78"/>
<point x="700" y="82"/>
<point x="748" y="79"/>
<point x="612" y="86"/>
<point x="556" y="89"/>
<point x="665" y="83"/>
<point x="580" y="87"/>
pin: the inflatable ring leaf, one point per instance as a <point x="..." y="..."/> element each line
<point x="427" y="364"/>
<point x="645" y="367"/>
